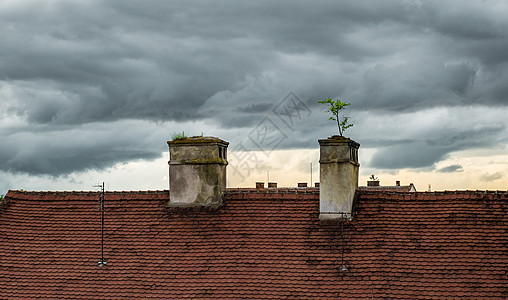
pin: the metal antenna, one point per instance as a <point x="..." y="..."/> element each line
<point x="342" y="267"/>
<point x="103" y="261"/>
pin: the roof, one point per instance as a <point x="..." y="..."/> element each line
<point x="260" y="244"/>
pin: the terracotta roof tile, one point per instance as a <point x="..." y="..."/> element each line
<point x="261" y="244"/>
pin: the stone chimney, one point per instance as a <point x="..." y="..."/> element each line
<point x="339" y="169"/>
<point x="197" y="171"/>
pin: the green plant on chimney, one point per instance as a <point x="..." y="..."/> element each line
<point x="178" y="136"/>
<point x="335" y="107"/>
<point x="373" y="177"/>
<point x="182" y="135"/>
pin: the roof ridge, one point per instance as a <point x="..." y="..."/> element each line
<point x="84" y="195"/>
<point x="88" y="192"/>
<point x="286" y="190"/>
<point x="365" y="191"/>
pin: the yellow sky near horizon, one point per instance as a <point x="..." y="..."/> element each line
<point x="481" y="170"/>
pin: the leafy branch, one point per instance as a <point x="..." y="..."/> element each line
<point x="335" y="107"/>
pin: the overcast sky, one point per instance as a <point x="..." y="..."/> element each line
<point x="90" y="87"/>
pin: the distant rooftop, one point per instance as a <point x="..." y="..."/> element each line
<point x="373" y="185"/>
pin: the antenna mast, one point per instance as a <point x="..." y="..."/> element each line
<point x="102" y="262"/>
<point x="343" y="267"/>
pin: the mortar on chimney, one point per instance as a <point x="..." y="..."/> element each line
<point x="197" y="171"/>
<point x="339" y="169"/>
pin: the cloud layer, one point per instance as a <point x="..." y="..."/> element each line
<point x="82" y="71"/>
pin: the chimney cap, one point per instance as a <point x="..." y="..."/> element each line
<point x="198" y="140"/>
<point x="337" y="140"/>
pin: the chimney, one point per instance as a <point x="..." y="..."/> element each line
<point x="260" y="185"/>
<point x="197" y="171"/>
<point x="373" y="183"/>
<point x="397" y="183"/>
<point x="338" y="177"/>
<point x="302" y="184"/>
<point x="272" y="185"/>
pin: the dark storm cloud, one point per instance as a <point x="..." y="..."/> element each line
<point x="416" y="86"/>
<point x="451" y="169"/>
<point x="255" y="108"/>
<point x="161" y="61"/>
<point x="426" y="151"/>
<point x="65" y="151"/>
<point x="74" y="63"/>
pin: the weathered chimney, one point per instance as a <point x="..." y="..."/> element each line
<point x="197" y="171"/>
<point x="260" y="185"/>
<point x="272" y="185"/>
<point x="338" y="177"/>
<point x="302" y="184"/>
<point x="397" y="182"/>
